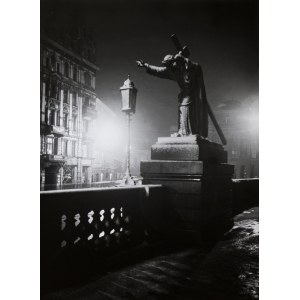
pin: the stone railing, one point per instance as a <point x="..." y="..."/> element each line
<point x="68" y="186"/>
<point x="79" y="228"/>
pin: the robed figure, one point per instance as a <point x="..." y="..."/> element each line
<point x="192" y="104"/>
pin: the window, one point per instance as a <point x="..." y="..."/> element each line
<point x="58" y="67"/>
<point x="57" y="118"/>
<point x="93" y="81"/>
<point x="52" y="62"/>
<point x="74" y="99"/>
<point x="66" y="98"/>
<point x="66" y="69"/>
<point x="75" y="74"/>
<point x="69" y="148"/>
<point x="73" y="148"/>
<point x="87" y="101"/>
<point x="65" y="147"/>
<point x="53" y="90"/>
<point x="87" y="79"/>
<point x="52" y="117"/>
<point x="66" y="117"/>
<point x="55" y="149"/>
<point x="49" y="145"/>
<point x="74" y="119"/>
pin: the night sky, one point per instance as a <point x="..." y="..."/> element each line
<point x="221" y="35"/>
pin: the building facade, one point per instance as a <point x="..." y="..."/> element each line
<point x="67" y="112"/>
<point x="239" y="123"/>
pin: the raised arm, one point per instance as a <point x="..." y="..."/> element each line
<point x="161" y="72"/>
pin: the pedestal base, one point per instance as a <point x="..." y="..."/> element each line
<point x="198" y="182"/>
<point x="188" y="148"/>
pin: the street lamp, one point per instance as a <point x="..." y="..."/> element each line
<point x="128" y="92"/>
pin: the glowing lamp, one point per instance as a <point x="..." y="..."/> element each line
<point x="128" y="92"/>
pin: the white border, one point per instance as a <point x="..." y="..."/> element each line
<point x="19" y="204"/>
<point x="279" y="149"/>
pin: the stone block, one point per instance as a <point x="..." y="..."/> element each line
<point x="172" y="167"/>
<point x="177" y="185"/>
<point x="188" y="148"/>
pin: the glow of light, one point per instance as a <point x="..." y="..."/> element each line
<point x="108" y="133"/>
<point x="251" y="120"/>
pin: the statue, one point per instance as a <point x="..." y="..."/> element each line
<point x="193" y="108"/>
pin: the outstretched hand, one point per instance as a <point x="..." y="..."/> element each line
<point x="140" y="63"/>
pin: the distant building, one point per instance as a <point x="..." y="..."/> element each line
<point x="68" y="105"/>
<point x="109" y="154"/>
<point x="239" y="123"/>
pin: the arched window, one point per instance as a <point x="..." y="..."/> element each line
<point x="66" y="69"/>
<point x="52" y="117"/>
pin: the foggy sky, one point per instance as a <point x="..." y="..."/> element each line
<point x="221" y="35"/>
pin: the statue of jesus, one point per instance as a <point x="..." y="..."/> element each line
<point x="192" y="105"/>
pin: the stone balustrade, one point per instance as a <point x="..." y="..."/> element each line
<point x="83" y="226"/>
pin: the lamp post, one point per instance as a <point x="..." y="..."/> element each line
<point x="128" y="92"/>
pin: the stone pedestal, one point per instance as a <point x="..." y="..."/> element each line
<point x="198" y="179"/>
<point x="188" y="148"/>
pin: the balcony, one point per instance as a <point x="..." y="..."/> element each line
<point x="89" y="87"/>
<point x="58" y="131"/>
<point x="89" y="111"/>
<point x="53" y="158"/>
